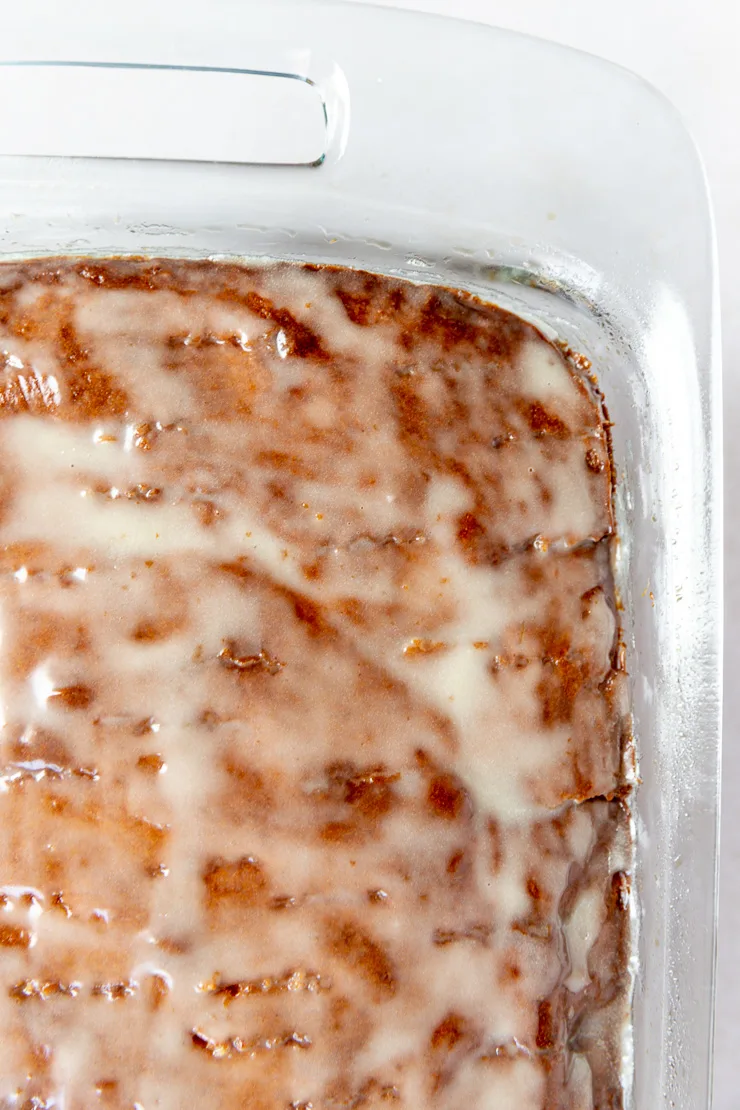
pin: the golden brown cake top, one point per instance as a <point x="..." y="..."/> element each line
<point x="313" y="712"/>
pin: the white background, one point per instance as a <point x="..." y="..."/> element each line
<point x="691" y="50"/>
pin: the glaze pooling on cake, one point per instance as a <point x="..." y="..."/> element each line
<point x="314" y="717"/>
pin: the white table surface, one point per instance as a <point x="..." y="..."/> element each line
<point x="689" y="49"/>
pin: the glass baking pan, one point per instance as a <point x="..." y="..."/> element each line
<point x="548" y="181"/>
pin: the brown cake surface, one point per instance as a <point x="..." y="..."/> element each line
<point x="313" y="716"/>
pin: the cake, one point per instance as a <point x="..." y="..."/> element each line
<point x="315" y="721"/>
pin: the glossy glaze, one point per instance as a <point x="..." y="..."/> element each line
<point x="314" y="723"/>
